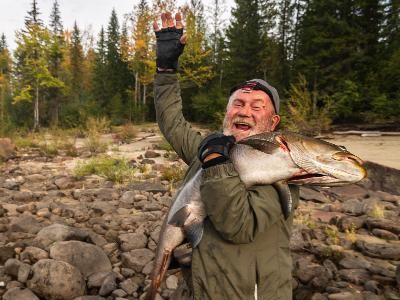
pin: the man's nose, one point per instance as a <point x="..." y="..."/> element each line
<point x="245" y="110"/>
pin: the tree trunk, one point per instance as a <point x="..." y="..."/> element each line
<point x="2" y="107"/>
<point x="36" y="124"/>
<point x="144" y="94"/>
<point x="54" y="111"/>
<point x="136" y="88"/>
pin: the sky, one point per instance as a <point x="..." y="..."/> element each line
<point x="89" y="14"/>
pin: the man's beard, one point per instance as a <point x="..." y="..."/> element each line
<point x="254" y="129"/>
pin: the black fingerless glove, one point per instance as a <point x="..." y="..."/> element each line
<point x="215" y="143"/>
<point x="169" y="48"/>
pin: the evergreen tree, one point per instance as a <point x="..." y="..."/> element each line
<point x="76" y="57"/>
<point x="244" y="42"/>
<point x="99" y="86"/>
<point x="32" y="74"/>
<point x="116" y="72"/>
<point x="5" y="67"/>
<point x="56" y="55"/>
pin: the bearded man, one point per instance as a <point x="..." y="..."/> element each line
<point x="244" y="252"/>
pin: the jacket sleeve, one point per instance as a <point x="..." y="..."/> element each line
<point x="178" y="132"/>
<point x="238" y="213"/>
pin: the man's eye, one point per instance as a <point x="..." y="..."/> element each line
<point x="257" y="108"/>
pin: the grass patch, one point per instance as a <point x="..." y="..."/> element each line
<point x="114" y="169"/>
<point x="377" y="212"/>
<point x="332" y="235"/>
<point x="351" y="234"/>
<point x="173" y="173"/>
<point x="49" y="142"/>
<point x="164" y="145"/>
<point x="304" y="218"/>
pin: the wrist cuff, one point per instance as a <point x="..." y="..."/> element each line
<point x="215" y="161"/>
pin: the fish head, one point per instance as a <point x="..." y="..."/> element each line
<point x="320" y="162"/>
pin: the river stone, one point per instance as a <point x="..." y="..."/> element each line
<point x="343" y="296"/>
<point x="136" y="259"/>
<point x="311" y="194"/>
<point x="354" y="261"/>
<point x="349" y="222"/>
<point x="33" y="254"/>
<point x="17" y="293"/>
<point x="131" y="241"/>
<point x="64" y="182"/>
<point x="151" y="154"/>
<point x="23" y="196"/>
<point x="306" y="272"/>
<point x="90" y="298"/>
<point x="56" y="280"/>
<point x="356" y="276"/>
<point x="109" y="284"/>
<point x="380" y="250"/>
<point x="96" y="279"/>
<point x="26" y="223"/>
<point x="59" y="232"/>
<point x="24" y="272"/>
<point x="6" y="252"/>
<point x="384" y="234"/>
<point x="129" y="286"/>
<point x="353" y="206"/>
<point x="86" y="257"/>
<point x="148" y="187"/>
<point x="383" y="224"/>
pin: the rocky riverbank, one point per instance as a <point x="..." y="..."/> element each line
<point x="89" y="238"/>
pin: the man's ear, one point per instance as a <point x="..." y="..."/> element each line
<point x="275" y="121"/>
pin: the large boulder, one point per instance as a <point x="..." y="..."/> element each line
<point x="59" y="232"/>
<point x="136" y="259"/>
<point x="131" y="241"/>
<point x="17" y="293"/>
<point x="26" y="223"/>
<point x="86" y="257"/>
<point x="56" y="280"/>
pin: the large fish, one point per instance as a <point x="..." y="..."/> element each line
<point x="278" y="158"/>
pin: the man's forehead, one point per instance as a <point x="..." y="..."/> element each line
<point x="253" y="95"/>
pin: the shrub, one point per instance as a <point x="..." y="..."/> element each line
<point x="173" y="173"/>
<point x="126" y="133"/>
<point x="307" y="113"/>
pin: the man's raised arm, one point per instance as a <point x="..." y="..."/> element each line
<point x="167" y="100"/>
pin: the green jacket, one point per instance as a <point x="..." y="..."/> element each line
<point x="246" y="238"/>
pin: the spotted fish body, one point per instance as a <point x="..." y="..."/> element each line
<point x="278" y="158"/>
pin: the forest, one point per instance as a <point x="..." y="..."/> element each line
<point x="332" y="61"/>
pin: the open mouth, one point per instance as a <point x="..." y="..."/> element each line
<point x="242" y="126"/>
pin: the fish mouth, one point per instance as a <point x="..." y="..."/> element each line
<point x="326" y="180"/>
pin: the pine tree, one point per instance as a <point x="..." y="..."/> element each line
<point x="99" y="86"/>
<point x="56" y="57"/>
<point x="117" y="81"/>
<point x="244" y="42"/>
<point x="76" y="57"/>
<point x="32" y="72"/>
<point x="5" y="68"/>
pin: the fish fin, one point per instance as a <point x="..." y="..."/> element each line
<point x="179" y="218"/>
<point x="194" y="233"/>
<point x="285" y="198"/>
<point x="260" y="144"/>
